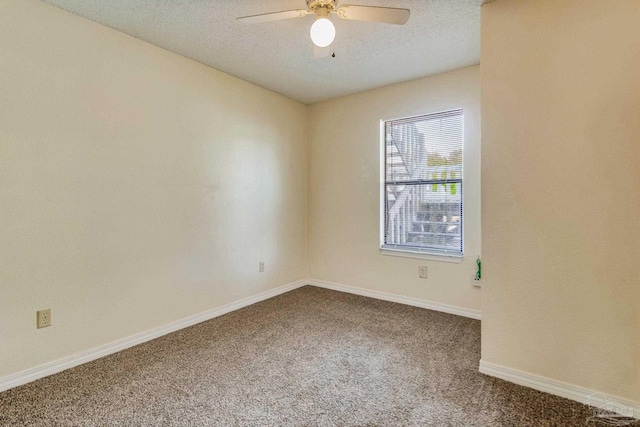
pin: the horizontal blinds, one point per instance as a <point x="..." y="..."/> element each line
<point x="425" y="147"/>
<point x="423" y="182"/>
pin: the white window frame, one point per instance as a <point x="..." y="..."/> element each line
<point x="410" y="252"/>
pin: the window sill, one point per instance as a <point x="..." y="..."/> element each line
<point x="456" y="259"/>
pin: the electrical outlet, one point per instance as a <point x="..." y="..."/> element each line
<point x="476" y="281"/>
<point x="261" y="267"/>
<point x="44" y="318"/>
<point x="422" y="271"/>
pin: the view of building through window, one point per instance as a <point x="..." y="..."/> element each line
<point x="423" y="183"/>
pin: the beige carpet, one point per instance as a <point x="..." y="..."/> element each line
<point x="311" y="357"/>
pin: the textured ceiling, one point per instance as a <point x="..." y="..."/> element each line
<point x="441" y="35"/>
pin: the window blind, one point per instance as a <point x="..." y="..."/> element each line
<point x="423" y="183"/>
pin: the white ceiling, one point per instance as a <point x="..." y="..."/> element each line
<point x="441" y="35"/>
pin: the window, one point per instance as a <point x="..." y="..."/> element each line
<point x="422" y="196"/>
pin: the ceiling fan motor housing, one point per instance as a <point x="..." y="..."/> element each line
<point x="314" y="5"/>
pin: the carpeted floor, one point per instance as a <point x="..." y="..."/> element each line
<point x="311" y="357"/>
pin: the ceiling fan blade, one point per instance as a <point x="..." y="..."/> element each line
<point x="274" y="16"/>
<point x="388" y="15"/>
<point x="322" y="52"/>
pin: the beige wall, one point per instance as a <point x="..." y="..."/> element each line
<point x="344" y="189"/>
<point x="136" y="187"/>
<point x="561" y="190"/>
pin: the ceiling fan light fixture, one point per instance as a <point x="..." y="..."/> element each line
<point x="322" y="32"/>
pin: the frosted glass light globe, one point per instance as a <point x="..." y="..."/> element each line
<point x="322" y="32"/>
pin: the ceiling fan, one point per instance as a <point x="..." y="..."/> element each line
<point x="322" y="31"/>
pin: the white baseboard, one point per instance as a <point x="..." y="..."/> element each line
<point x="416" y="302"/>
<point x="558" y="388"/>
<point x="60" y="365"/>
